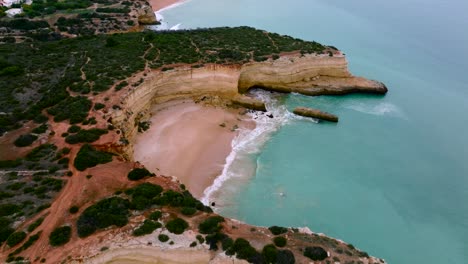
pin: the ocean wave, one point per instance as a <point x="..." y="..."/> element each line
<point x="249" y="142"/>
<point x="379" y="109"/>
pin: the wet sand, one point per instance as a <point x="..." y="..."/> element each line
<point x="189" y="141"/>
<point x="160" y="4"/>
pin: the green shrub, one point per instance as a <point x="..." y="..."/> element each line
<point x="74" y="209"/>
<point x="8" y="209"/>
<point x="193" y="244"/>
<point x="143" y="194"/>
<point x="243" y="249"/>
<point x="315" y="253"/>
<point x="211" y="225"/>
<point x="285" y="257"/>
<point x="60" y="236"/>
<point x="99" y="106"/>
<point x="73" y="129"/>
<point x="85" y="136"/>
<point x="270" y="253"/>
<point x="40" y="129"/>
<point x="200" y="239"/>
<point x="25" y="140"/>
<point x="213" y="239"/>
<point x="15" y="238"/>
<point x="89" y="157"/>
<point x="155" y="215"/>
<point x="277" y="230"/>
<point x="35" y="224"/>
<point x="280" y="241"/>
<point x="227" y="243"/>
<point x="177" y="226"/>
<point x="105" y="213"/>
<point x="138" y="173"/>
<point x="147" y="228"/>
<point x="188" y="211"/>
<point x="163" y="238"/>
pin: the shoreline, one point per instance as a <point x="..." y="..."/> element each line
<point x="190" y="141"/>
<point x="160" y="5"/>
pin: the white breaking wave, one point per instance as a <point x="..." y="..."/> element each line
<point x="176" y="27"/>
<point x="160" y="17"/>
<point x="249" y="142"/>
<point x="380" y="109"/>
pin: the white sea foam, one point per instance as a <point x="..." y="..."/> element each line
<point x="160" y="17"/>
<point x="382" y="108"/>
<point x="250" y="142"/>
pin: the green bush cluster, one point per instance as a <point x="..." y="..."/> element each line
<point x="211" y="225"/>
<point x="143" y="195"/>
<point x="177" y="226"/>
<point x="277" y="230"/>
<point x="15" y="238"/>
<point x="188" y="211"/>
<point x="25" y="140"/>
<point x="75" y="109"/>
<point x="280" y="241"/>
<point x="105" y="213"/>
<point x="85" y="136"/>
<point x="35" y="224"/>
<point x="155" y="215"/>
<point x="60" y="236"/>
<point x="315" y="253"/>
<point x="163" y="238"/>
<point x="138" y="174"/>
<point x="146" y="228"/>
<point x="88" y="157"/>
<point x="40" y="129"/>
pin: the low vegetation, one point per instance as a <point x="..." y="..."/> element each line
<point x="315" y="253"/>
<point x="105" y="213"/>
<point x="146" y="228"/>
<point x="177" y="226"/>
<point x="25" y="140"/>
<point x="277" y="230"/>
<point x="60" y="236"/>
<point x="138" y="174"/>
<point x="211" y="225"/>
<point x="85" y="136"/>
<point x="89" y="157"/>
<point x="15" y="238"/>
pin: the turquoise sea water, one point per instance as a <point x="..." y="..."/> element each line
<point x="392" y="176"/>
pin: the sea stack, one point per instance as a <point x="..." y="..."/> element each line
<point x="315" y="113"/>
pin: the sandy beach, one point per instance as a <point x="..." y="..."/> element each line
<point x="189" y="141"/>
<point x="160" y="4"/>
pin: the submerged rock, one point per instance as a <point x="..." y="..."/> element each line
<point x="315" y="113"/>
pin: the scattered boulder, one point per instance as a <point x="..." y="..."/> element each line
<point x="315" y="113"/>
<point x="250" y="103"/>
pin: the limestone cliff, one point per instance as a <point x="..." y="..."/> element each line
<point x="307" y="74"/>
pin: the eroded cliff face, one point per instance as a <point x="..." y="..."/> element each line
<point x="307" y="74"/>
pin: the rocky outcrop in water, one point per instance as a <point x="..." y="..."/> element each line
<point x="308" y="74"/>
<point x="315" y="113"/>
<point x="146" y="16"/>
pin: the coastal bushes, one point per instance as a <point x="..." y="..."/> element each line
<point x="60" y="236"/>
<point x="73" y="108"/>
<point x="177" y="226"/>
<point x="25" y="140"/>
<point x="211" y="225"/>
<point x="138" y="174"/>
<point x="280" y="241"/>
<point x="87" y="136"/>
<point x="277" y="230"/>
<point x="188" y="211"/>
<point x="315" y="253"/>
<point x="15" y="238"/>
<point x="143" y="194"/>
<point x="155" y="215"/>
<point x="35" y="224"/>
<point x="147" y="227"/>
<point x="88" y="157"/>
<point x="105" y="213"/>
<point x="163" y="238"/>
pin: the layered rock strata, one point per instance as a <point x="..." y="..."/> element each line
<point x="309" y="74"/>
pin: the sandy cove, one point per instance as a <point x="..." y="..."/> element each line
<point x="189" y="141"/>
<point x="160" y="4"/>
